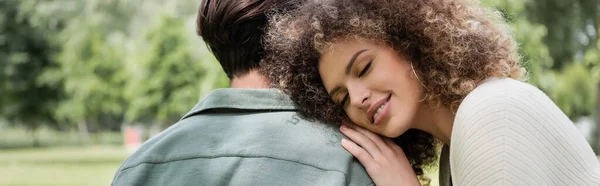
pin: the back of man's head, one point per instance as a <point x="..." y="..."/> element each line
<point x="233" y="30"/>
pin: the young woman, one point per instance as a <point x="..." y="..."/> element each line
<point x="410" y="70"/>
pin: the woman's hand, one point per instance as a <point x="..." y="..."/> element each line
<point x="384" y="161"/>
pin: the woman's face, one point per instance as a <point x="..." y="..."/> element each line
<point x="374" y="84"/>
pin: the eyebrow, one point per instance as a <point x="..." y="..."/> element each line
<point x="348" y="67"/>
<point x="353" y="59"/>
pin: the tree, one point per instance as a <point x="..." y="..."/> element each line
<point x="572" y="39"/>
<point x="572" y="27"/>
<point x="128" y="60"/>
<point x="90" y="62"/>
<point x="25" y="51"/>
<point x="166" y="79"/>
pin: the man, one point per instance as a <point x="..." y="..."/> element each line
<point x="247" y="134"/>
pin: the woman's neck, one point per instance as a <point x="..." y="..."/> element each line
<point x="436" y="121"/>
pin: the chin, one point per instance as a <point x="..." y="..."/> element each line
<point x="395" y="131"/>
<point x="391" y="134"/>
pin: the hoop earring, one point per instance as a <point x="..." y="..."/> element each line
<point x="415" y="73"/>
<point x="424" y="98"/>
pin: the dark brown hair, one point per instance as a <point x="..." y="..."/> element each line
<point x="233" y="31"/>
<point x="453" y="44"/>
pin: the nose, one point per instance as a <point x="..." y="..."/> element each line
<point x="359" y="95"/>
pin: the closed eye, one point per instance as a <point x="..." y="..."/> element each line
<point x="366" y="69"/>
<point x="344" y="101"/>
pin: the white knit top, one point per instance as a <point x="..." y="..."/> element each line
<point x="507" y="132"/>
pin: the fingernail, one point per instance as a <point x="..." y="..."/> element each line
<point x="343" y="127"/>
<point x="344" y="141"/>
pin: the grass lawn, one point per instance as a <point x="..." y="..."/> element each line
<point x="63" y="166"/>
<point x="70" y="166"/>
<point x="74" y="166"/>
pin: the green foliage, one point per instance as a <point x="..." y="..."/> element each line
<point x="548" y="48"/>
<point x="164" y="75"/>
<point x="95" y="64"/>
<point x="25" y="51"/>
<point x="89" y="64"/>
<point x="574" y="90"/>
<point x="572" y="26"/>
<point x="571" y="37"/>
<point x="127" y="60"/>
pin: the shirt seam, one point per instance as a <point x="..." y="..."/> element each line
<point x="198" y="111"/>
<point x="213" y="157"/>
<point x="281" y="101"/>
<point x="248" y="107"/>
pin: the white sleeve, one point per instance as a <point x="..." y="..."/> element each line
<point x="511" y="133"/>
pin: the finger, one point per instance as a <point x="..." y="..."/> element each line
<point x="392" y="145"/>
<point x="361" y="154"/>
<point x="362" y="140"/>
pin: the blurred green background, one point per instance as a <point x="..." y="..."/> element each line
<point x="75" y="73"/>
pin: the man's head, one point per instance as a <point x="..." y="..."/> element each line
<point x="233" y="30"/>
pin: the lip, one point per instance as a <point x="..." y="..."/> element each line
<point x="373" y="109"/>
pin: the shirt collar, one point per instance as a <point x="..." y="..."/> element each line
<point x="244" y="99"/>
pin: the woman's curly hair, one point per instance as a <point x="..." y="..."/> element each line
<point x="453" y="44"/>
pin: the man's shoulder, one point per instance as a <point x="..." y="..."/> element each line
<point x="224" y="128"/>
<point x="279" y="136"/>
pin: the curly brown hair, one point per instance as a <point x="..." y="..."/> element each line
<point x="453" y="44"/>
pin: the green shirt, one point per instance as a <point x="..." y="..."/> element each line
<point x="243" y="137"/>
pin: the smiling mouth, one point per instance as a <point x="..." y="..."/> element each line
<point x="379" y="110"/>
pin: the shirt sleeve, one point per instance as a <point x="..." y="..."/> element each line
<point x="513" y="134"/>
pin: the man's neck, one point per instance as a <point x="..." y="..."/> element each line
<point x="252" y="79"/>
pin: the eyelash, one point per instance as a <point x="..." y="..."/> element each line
<point x="344" y="100"/>
<point x="363" y="72"/>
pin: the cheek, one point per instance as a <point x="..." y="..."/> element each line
<point x="403" y="83"/>
<point x="356" y="116"/>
